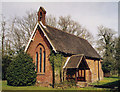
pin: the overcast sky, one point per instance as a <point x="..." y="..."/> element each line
<point x="88" y="14"/>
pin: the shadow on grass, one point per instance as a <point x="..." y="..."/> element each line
<point x="55" y="90"/>
<point x="114" y="77"/>
<point x="112" y="85"/>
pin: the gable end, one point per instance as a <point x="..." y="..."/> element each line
<point x="40" y="25"/>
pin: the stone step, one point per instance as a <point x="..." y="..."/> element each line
<point x="82" y="84"/>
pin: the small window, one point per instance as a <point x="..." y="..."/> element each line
<point x="40" y="15"/>
<point x="36" y="61"/>
<point x="40" y="59"/>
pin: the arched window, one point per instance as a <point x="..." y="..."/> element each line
<point x="44" y="61"/>
<point x="36" y="61"/>
<point x="40" y="60"/>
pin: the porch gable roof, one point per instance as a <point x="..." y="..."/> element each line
<point x="75" y="61"/>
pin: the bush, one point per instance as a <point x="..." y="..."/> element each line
<point x="72" y="83"/>
<point x="21" y="71"/>
<point x="66" y="84"/>
<point x="5" y="63"/>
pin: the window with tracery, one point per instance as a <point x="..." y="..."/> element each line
<point x="40" y="59"/>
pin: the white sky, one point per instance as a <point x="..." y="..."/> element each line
<point x="88" y="14"/>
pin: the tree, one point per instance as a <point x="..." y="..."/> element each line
<point x="117" y="55"/>
<point x="3" y="23"/>
<point x="107" y="43"/>
<point x="67" y="24"/>
<point x="51" y="20"/>
<point x="6" y="60"/>
<point x="20" y="30"/>
<point x="21" y="71"/>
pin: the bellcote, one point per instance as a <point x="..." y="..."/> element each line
<point x="41" y="15"/>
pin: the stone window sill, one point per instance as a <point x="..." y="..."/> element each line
<point x="41" y="73"/>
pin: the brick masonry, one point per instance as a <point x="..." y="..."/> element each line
<point x="38" y="40"/>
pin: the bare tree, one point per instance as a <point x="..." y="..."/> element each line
<point x="51" y="20"/>
<point x="106" y="43"/>
<point x="21" y="29"/>
<point x="73" y="27"/>
<point x="105" y="38"/>
<point x="3" y="34"/>
<point x="27" y="24"/>
<point x="68" y="25"/>
<point x="65" y="23"/>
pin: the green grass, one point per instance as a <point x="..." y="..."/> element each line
<point x="6" y="87"/>
<point x="106" y="81"/>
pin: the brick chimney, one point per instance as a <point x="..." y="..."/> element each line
<point x="41" y="15"/>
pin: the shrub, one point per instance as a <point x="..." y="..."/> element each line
<point x="66" y="84"/>
<point x="5" y="63"/>
<point x="71" y="83"/>
<point x="21" y="71"/>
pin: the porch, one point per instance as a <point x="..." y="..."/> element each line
<point x="75" y="69"/>
<point x="78" y="75"/>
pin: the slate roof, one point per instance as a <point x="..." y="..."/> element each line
<point x="77" y="61"/>
<point x="74" y="61"/>
<point x="70" y="44"/>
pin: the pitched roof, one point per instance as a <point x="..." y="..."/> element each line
<point x="75" y="62"/>
<point x="64" y="42"/>
<point x="68" y="43"/>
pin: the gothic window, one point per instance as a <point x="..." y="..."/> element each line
<point x="44" y="61"/>
<point x="40" y="59"/>
<point x="36" y="61"/>
<point x="40" y="66"/>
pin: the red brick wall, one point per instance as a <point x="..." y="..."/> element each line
<point x="39" y="38"/>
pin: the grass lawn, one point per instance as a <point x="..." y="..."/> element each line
<point x="102" y="82"/>
<point x="6" y="87"/>
<point x="106" y="81"/>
